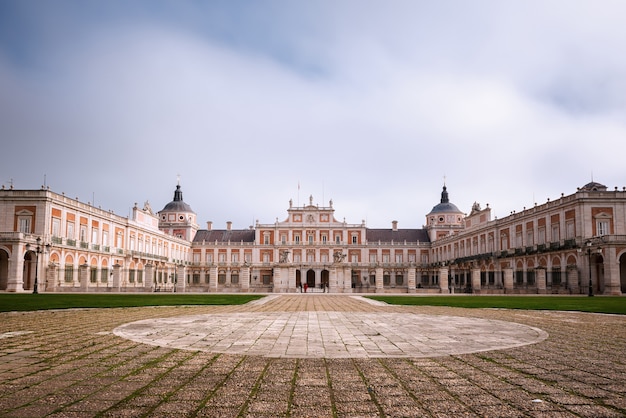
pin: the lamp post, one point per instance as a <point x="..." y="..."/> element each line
<point x="38" y="250"/>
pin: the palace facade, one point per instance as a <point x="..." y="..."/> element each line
<point x="575" y="244"/>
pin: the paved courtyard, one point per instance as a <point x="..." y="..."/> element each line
<point x="312" y="355"/>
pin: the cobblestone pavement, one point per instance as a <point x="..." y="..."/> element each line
<point x="70" y="363"/>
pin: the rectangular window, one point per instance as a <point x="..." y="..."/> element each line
<point x="296" y="258"/>
<point x="555" y="233"/>
<point x="93" y="275"/>
<point x="324" y="239"/>
<point x="70" y="230"/>
<point x="131" y="276"/>
<point x="56" y="227"/>
<point x="372" y="258"/>
<point x="338" y="239"/>
<point x="69" y="273"/>
<point x="541" y="239"/>
<point x="247" y="258"/>
<point x="354" y="239"/>
<point x="398" y="258"/>
<point x="385" y="258"/>
<point x="310" y="239"/>
<point x="296" y="238"/>
<point x="222" y="257"/>
<point x="283" y="239"/>
<point x="235" y="257"/>
<point x="602" y="227"/>
<point x="266" y="239"/>
<point x="570" y="230"/>
<point x="83" y="233"/>
<point x="24" y="225"/>
<point x="196" y="258"/>
<point x="209" y="258"/>
<point x="355" y="258"/>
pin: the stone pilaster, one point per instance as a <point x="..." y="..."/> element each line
<point x="508" y="280"/>
<point x="149" y="276"/>
<point x="540" y="276"/>
<point x="443" y="280"/>
<point x="83" y="276"/>
<point x="411" y="280"/>
<point x="379" y="280"/>
<point x="476" y="280"/>
<point x="181" y="280"/>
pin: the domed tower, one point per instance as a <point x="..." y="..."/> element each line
<point x="177" y="218"/>
<point x="444" y="219"/>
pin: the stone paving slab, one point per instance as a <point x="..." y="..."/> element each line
<point x="71" y="364"/>
<point x="331" y="334"/>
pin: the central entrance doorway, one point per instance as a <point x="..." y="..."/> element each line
<point x="310" y="279"/>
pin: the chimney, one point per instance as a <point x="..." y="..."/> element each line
<point x="229" y="225"/>
<point x="394" y="225"/>
<point x="209" y="225"/>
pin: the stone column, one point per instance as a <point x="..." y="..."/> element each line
<point x="540" y="277"/>
<point x="508" y="280"/>
<point x="117" y="275"/>
<point x="346" y="273"/>
<point x="244" y="279"/>
<point x="443" y="280"/>
<point x="572" y="279"/>
<point x="83" y="276"/>
<point x="181" y="280"/>
<point x="411" y="280"/>
<point x="332" y="280"/>
<point x="213" y="279"/>
<point x="379" y="280"/>
<point x="612" y="285"/>
<point x="15" y="279"/>
<point x="51" y="277"/>
<point x="476" y="280"/>
<point x="148" y="276"/>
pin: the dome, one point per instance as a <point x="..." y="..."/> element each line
<point x="177" y="205"/>
<point x="593" y="187"/>
<point x="445" y="206"/>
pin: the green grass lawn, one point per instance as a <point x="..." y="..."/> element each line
<point x="30" y="302"/>
<point x="599" y="304"/>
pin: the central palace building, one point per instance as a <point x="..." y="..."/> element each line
<point x="575" y="244"/>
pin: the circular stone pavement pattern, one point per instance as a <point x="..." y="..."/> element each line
<point x="331" y="334"/>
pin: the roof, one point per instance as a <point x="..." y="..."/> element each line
<point x="224" y="235"/>
<point x="399" y="235"/>
<point x="594" y="187"/>
<point x="177" y="205"/>
<point x="445" y="206"/>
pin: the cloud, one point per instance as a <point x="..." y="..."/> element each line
<point x="367" y="104"/>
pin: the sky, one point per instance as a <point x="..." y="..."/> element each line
<point x="251" y="104"/>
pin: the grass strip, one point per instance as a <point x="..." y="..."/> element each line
<point x="42" y="301"/>
<point x="597" y="304"/>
